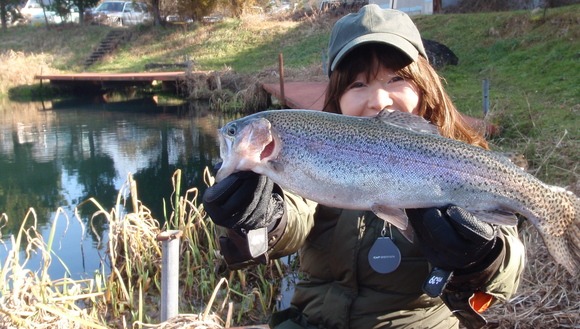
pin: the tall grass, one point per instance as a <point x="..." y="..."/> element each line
<point x="33" y="299"/>
<point x="130" y="294"/>
<point x="12" y="66"/>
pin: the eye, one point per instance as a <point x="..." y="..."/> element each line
<point x="356" y="84"/>
<point x="231" y="129"/>
<point x="396" y="79"/>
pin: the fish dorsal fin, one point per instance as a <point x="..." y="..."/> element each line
<point x="408" y="121"/>
<point x="516" y="158"/>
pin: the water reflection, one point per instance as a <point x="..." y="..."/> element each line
<point x="59" y="154"/>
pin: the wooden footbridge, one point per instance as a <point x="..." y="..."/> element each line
<point x="110" y="80"/>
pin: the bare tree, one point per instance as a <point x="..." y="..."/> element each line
<point x="83" y="5"/>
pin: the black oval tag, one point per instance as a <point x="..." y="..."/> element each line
<point x="384" y="256"/>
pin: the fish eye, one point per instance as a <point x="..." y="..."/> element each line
<point x="231" y="130"/>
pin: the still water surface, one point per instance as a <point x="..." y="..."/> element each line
<point x="57" y="155"/>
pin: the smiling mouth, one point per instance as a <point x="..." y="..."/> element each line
<point x="267" y="150"/>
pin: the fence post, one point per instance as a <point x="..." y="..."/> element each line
<point x="485" y="97"/>
<point x="281" y="68"/>
<point x="169" y="273"/>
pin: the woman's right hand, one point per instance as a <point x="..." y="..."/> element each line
<point x="242" y="200"/>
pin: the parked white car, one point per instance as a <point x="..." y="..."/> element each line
<point x="121" y="13"/>
<point x="33" y="8"/>
<point x="54" y="18"/>
<point x="33" y="13"/>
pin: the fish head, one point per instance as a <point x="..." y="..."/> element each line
<point x="245" y="144"/>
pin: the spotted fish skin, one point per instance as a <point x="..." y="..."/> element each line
<point x="396" y="161"/>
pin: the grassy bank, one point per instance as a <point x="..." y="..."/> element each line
<point x="531" y="60"/>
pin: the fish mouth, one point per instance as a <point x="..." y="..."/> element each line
<point x="225" y="168"/>
<point x="268" y="150"/>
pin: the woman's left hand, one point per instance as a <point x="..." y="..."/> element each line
<point x="453" y="239"/>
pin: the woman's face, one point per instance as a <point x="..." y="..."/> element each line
<point x="386" y="90"/>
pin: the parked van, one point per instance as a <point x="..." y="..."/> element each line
<point x="121" y="13"/>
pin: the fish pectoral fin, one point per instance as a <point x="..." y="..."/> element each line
<point x="395" y="216"/>
<point x="408" y="233"/>
<point x="498" y="217"/>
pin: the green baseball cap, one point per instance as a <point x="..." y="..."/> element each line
<point x="374" y="24"/>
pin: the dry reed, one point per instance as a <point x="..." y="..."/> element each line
<point x="33" y="300"/>
<point x="548" y="297"/>
<point x="129" y="295"/>
<point x="19" y="68"/>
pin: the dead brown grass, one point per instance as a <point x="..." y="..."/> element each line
<point x="32" y="299"/>
<point x="13" y="63"/>
<point x="548" y="296"/>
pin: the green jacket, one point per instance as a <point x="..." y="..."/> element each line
<point x="339" y="289"/>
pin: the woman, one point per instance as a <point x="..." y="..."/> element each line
<point x="376" y="61"/>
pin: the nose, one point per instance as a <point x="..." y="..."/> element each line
<point x="379" y="98"/>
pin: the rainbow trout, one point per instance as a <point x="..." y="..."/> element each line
<point x="394" y="161"/>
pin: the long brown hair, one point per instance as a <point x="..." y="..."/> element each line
<point x="435" y="104"/>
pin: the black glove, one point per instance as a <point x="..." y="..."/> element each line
<point x="454" y="240"/>
<point x="243" y="200"/>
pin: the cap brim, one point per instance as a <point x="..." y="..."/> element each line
<point x="387" y="38"/>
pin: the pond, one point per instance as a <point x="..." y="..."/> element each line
<point x="56" y="155"/>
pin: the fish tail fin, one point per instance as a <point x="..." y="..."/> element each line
<point x="574" y="232"/>
<point x="562" y="237"/>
